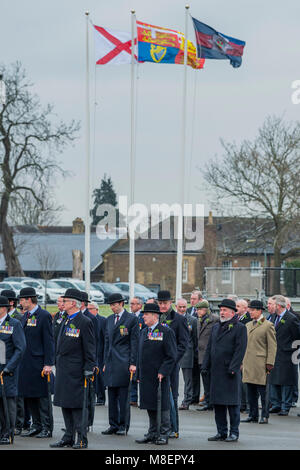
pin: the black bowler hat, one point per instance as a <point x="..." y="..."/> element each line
<point x="113" y="298"/>
<point x="72" y="293"/>
<point x="27" y="292"/>
<point x="257" y="304"/>
<point x="151" y="308"/>
<point x="84" y="296"/>
<point x="10" y="294"/>
<point x="4" y="301"/>
<point x="163" y="295"/>
<point x="229" y="303"/>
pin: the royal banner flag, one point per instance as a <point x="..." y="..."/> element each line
<point x="165" y="46"/>
<point x="111" y="46"/>
<point x="214" y="45"/>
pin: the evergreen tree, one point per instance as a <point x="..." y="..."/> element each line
<point x="103" y="195"/>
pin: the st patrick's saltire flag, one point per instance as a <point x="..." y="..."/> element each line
<point x="214" y="45"/>
<point x="163" y="45"/>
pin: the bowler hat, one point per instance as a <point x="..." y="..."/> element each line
<point x="27" y="292"/>
<point x="72" y="293"/>
<point x="84" y="296"/>
<point x="4" y="301"/>
<point x="202" y="304"/>
<point x="117" y="297"/>
<point x="163" y="295"/>
<point x="257" y="304"/>
<point x="228" y="303"/>
<point x="10" y="294"/>
<point x="151" y="308"/>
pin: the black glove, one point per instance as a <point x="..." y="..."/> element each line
<point x="88" y="374"/>
<point x="7" y="372"/>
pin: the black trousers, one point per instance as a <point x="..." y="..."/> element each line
<point x="39" y="410"/>
<point x="164" y="427"/>
<point x="254" y="391"/>
<point x="174" y="384"/>
<point x="73" y="424"/>
<point x="221" y="419"/>
<point x="8" y="430"/>
<point x="117" y="401"/>
<point x="196" y="382"/>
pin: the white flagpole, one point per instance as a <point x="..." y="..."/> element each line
<point x="87" y="256"/>
<point x="180" y="236"/>
<point x="132" y="163"/>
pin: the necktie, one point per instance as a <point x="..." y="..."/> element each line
<point x="277" y="320"/>
<point x="117" y="319"/>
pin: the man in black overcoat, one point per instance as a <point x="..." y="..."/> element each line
<point x="157" y="357"/>
<point x="99" y="382"/>
<point x="178" y="324"/>
<point x="37" y="359"/>
<point x="13" y="339"/>
<point x="120" y="359"/>
<point x="75" y="363"/>
<point x="58" y="318"/>
<point x="223" y="358"/>
<point x="284" y="375"/>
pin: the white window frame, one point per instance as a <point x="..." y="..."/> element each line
<point x="226" y="270"/>
<point x="185" y="271"/>
<point x="255" y="271"/>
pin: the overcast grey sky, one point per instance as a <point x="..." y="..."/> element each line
<point x="49" y="39"/>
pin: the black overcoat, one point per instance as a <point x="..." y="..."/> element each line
<point x="13" y="344"/>
<point x="120" y="350"/>
<point x="285" y="372"/>
<point x="187" y="360"/>
<point x="76" y="352"/>
<point x="156" y="357"/>
<point x="39" y="352"/>
<point x="179" y="325"/>
<point x="224" y="354"/>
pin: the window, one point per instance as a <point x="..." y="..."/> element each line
<point x="185" y="271"/>
<point x="255" y="268"/>
<point x="226" y="271"/>
<point x="283" y="266"/>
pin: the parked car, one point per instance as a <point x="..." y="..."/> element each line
<point x="16" y="279"/>
<point x="107" y="289"/>
<point x="52" y="292"/>
<point x="139" y="290"/>
<point x="66" y="283"/>
<point x="8" y="286"/>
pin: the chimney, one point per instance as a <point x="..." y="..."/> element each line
<point x="210" y="218"/>
<point x="78" y="226"/>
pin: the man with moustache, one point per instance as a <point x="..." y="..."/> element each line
<point x="223" y="358"/>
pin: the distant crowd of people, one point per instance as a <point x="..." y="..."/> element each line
<point x="78" y="359"/>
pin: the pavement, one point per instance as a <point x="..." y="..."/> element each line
<point x="281" y="433"/>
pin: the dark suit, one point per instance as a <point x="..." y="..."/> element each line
<point x="223" y="358"/>
<point x="58" y="319"/>
<point x="38" y="353"/>
<point x="245" y="318"/>
<point x="99" y="380"/>
<point x="12" y="335"/>
<point x="76" y="353"/>
<point x="120" y="351"/>
<point x="157" y="355"/>
<point x="284" y="376"/>
<point x="187" y="361"/>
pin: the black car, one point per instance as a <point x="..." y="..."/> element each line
<point x="107" y="289"/>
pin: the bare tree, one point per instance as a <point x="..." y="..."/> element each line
<point x="29" y="143"/>
<point x="48" y="262"/>
<point x="261" y="180"/>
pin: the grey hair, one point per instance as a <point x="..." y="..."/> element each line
<point x="280" y="300"/>
<point x="139" y="299"/>
<point x="198" y="292"/>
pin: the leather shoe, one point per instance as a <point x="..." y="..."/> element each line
<point x="160" y="441"/>
<point x="217" y="437"/>
<point x="231" y="438"/>
<point x="44" y="434"/>
<point x="61" y="443"/>
<point x="31" y="432"/>
<point x="249" y="420"/>
<point x="109" y="430"/>
<point x="4" y="441"/>
<point x="183" y="407"/>
<point x="173" y="435"/>
<point x="274" y="410"/>
<point x="145" y="440"/>
<point x="263" y="421"/>
<point x="283" y="413"/>
<point x="120" y="432"/>
<point x="205" y="408"/>
<point x="80" y="444"/>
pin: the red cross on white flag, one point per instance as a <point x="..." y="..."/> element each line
<point x="112" y="47"/>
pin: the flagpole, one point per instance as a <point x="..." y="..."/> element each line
<point x="132" y="164"/>
<point x="87" y="256"/>
<point x="180" y="235"/>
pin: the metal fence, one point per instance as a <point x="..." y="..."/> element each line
<point x="252" y="282"/>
